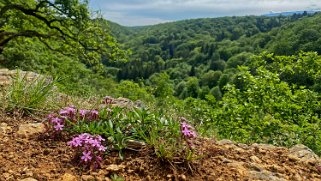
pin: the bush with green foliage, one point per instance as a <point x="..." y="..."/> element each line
<point x="261" y="107"/>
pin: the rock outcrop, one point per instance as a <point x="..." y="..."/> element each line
<point x="6" y="76"/>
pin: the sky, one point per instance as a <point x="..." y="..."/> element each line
<point x="149" y="12"/>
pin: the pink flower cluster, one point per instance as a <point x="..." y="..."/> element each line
<point x="90" y="147"/>
<point x="57" y="122"/>
<point x="70" y="113"/>
<point x="187" y="130"/>
<point x="90" y="115"/>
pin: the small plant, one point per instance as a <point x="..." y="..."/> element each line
<point x="89" y="149"/>
<point x="116" y="177"/>
<point x="28" y="95"/>
<point x="56" y="123"/>
<point x="188" y="132"/>
<point x="67" y="118"/>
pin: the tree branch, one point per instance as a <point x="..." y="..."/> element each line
<point x="32" y="12"/>
<point x="11" y="35"/>
<point x="51" y="48"/>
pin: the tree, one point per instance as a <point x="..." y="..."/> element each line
<point x="210" y="78"/>
<point x="162" y="87"/>
<point x="64" y="26"/>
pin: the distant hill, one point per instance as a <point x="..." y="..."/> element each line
<point x="210" y="49"/>
<point x="290" y="13"/>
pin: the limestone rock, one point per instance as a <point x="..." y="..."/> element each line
<point x="88" y="178"/>
<point x="264" y="175"/>
<point x="30" y="129"/>
<point x="114" y="167"/>
<point x="303" y="152"/>
<point x="255" y="159"/>
<point x="120" y="102"/>
<point x="68" y="177"/>
<point x="225" y="142"/>
<point x="263" y="146"/>
<point x="29" y="179"/>
<point x="133" y="144"/>
<point x="5" y="129"/>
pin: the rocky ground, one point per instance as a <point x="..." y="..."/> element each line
<point x="25" y="154"/>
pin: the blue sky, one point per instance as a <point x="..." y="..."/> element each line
<point x="148" y="12"/>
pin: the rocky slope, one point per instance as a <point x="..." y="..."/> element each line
<point x="25" y="154"/>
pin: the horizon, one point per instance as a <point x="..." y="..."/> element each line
<point x="133" y="13"/>
<point x="267" y="14"/>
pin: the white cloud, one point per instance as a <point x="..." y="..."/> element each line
<point x="138" y="12"/>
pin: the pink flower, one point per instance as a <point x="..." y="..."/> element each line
<point x="184" y="125"/>
<point x="101" y="148"/>
<point x="68" y="112"/>
<point x="91" y="147"/>
<point x="187" y="130"/>
<point x="75" y="142"/>
<point x="86" y="156"/>
<point x="82" y="113"/>
<point x="193" y="134"/>
<point x="99" y="138"/>
<point x="94" y="143"/>
<point x="59" y="127"/>
<point x="94" y="114"/>
<point x="56" y="120"/>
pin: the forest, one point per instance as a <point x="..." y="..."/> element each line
<point x="248" y="79"/>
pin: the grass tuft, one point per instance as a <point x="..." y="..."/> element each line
<point x="28" y="94"/>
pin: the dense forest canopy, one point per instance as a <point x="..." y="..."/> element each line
<point x="208" y="51"/>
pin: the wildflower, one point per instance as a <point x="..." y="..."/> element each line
<point x="102" y="148"/>
<point x="86" y="156"/>
<point x="82" y="113"/>
<point x="55" y="123"/>
<point x="94" y="143"/>
<point x="75" y="142"/>
<point x="187" y="130"/>
<point x="184" y="125"/>
<point x="84" y="136"/>
<point x="59" y="127"/>
<point x="99" y="138"/>
<point x="91" y="148"/>
<point x="56" y="120"/>
<point x="93" y="115"/>
<point x="68" y="112"/>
